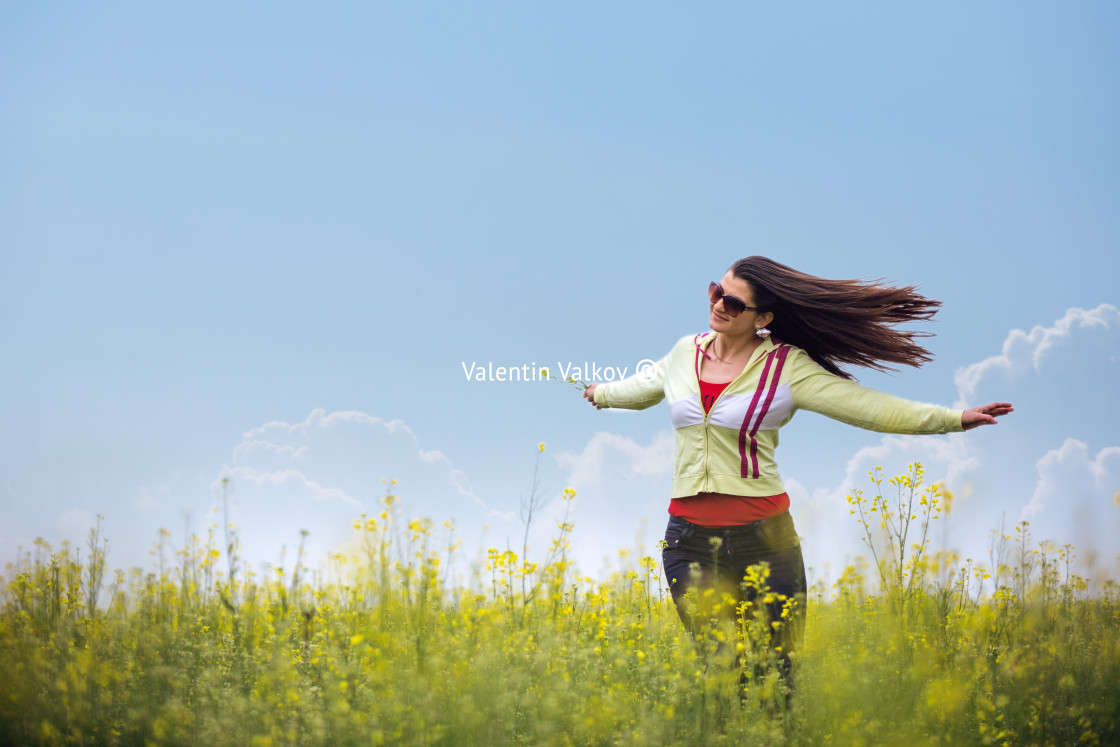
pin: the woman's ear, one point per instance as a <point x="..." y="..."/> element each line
<point x="764" y="319"/>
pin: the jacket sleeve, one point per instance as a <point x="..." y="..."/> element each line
<point x="815" y="389"/>
<point x="644" y="389"/>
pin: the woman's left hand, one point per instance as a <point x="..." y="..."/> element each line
<point x="974" y="417"/>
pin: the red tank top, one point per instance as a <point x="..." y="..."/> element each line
<point x="710" y="392"/>
<point x="728" y="510"/>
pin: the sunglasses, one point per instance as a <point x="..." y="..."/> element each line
<point x="733" y="305"/>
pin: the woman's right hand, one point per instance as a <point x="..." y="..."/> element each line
<point x="589" y="395"/>
<point x="974" y="417"/>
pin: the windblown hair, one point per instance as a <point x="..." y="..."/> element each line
<point x="839" y="321"/>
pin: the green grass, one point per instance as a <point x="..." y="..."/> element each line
<point x="385" y="649"/>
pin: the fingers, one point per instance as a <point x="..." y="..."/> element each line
<point x="976" y="417"/>
<point x="995" y="409"/>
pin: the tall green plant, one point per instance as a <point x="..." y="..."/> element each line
<point x="902" y="519"/>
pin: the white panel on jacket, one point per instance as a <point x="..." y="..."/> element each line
<point x="686" y="411"/>
<point x="731" y="409"/>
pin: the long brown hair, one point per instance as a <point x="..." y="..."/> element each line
<point x="839" y="321"/>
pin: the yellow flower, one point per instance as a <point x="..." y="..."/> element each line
<point x="540" y="446"/>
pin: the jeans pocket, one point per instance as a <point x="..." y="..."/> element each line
<point x="675" y="532"/>
<point x="778" y="533"/>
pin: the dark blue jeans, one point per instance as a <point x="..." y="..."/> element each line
<point x="701" y="558"/>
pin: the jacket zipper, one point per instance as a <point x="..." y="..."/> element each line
<point x="707" y="415"/>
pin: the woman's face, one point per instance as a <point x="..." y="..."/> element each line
<point x="745" y="323"/>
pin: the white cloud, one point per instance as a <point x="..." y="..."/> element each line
<point x="1075" y="502"/>
<point x="618" y="483"/>
<point x="322" y="473"/>
<point x="945" y="456"/>
<point x="1025" y="350"/>
<point x="313" y="489"/>
<point x="590" y="467"/>
<point x="319" y="419"/>
<point x="1068" y="476"/>
<point x="292" y="442"/>
<point x="245" y="447"/>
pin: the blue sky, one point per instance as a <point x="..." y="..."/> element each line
<point x="262" y="242"/>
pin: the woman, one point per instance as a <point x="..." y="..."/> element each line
<point x="778" y="340"/>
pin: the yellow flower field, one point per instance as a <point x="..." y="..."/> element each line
<point x="385" y="648"/>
